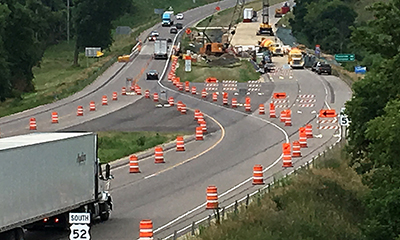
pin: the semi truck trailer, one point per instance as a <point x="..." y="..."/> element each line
<point x="45" y="176"/>
<point x="161" y="49"/>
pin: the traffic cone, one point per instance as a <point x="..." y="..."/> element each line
<point x="155" y="97"/>
<point x="92" y="106"/>
<point x="123" y="92"/>
<point x="146" y="230"/>
<point x="212" y="197"/>
<point x="272" y="113"/>
<point x="287" y="157"/>
<point x="133" y="164"/>
<point x="199" y="134"/>
<point x="234" y="103"/>
<point x="147" y="94"/>
<point x="54" y="117"/>
<point x="104" y="100"/>
<point x="194" y="90"/>
<point x="115" y="96"/>
<point x="180" y="144"/>
<point x="158" y="155"/>
<point x="171" y="101"/>
<point x="296" y="152"/>
<point x="258" y="175"/>
<point x="32" y="124"/>
<point x="79" y="111"/>
<point x="309" y="133"/>
<point x="204" y="93"/>
<point x="261" y="109"/>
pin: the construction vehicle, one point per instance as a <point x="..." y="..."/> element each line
<point x="295" y="58"/>
<point x="265" y="26"/>
<point x="276" y="49"/>
<point x="279" y="12"/>
<point x="46" y="176"/>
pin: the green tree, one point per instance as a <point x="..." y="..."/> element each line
<point x="93" y="22"/>
<point x="5" y="84"/>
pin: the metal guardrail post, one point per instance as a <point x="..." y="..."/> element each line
<point x="236" y="207"/>
<point x="247" y="200"/>
<point x="193" y="228"/>
<point x="175" y="235"/>
<point x="209" y="220"/>
<point x="223" y="213"/>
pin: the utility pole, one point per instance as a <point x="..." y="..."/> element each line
<point x="68" y="21"/>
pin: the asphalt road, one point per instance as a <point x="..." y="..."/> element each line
<point x="237" y="140"/>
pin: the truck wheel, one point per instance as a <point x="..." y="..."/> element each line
<point x="105" y="216"/>
<point x="19" y="234"/>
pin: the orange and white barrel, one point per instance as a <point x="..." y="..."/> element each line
<point x="296" y="150"/>
<point x="158" y="155"/>
<point x="194" y="90"/>
<point x="258" y="178"/>
<point x="54" y="117"/>
<point x="92" y="106"/>
<point x="180" y="144"/>
<point x="234" y="103"/>
<point x="204" y="93"/>
<point x="133" y="164"/>
<point x="155" y="97"/>
<point x="212" y="197"/>
<point x="272" y="113"/>
<point x="199" y="134"/>
<point x="171" y="101"/>
<point x="123" y="91"/>
<point x="104" y="100"/>
<point x="309" y="133"/>
<point x="183" y="108"/>
<point x="146" y="230"/>
<point x="261" y="109"/>
<point x="79" y="111"/>
<point x="32" y="124"/>
<point x="147" y="94"/>
<point x="114" y="96"/>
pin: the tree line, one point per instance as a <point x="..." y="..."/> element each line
<point x="374" y="110"/>
<point x="28" y="27"/>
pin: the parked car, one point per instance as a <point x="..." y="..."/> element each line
<point x="173" y="30"/>
<point x="179" y="25"/>
<point x="324" y="68"/>
<point x="179" y="16"/>
<point x="153" y="35"/>
<point x="152" y="75"/>
<point x="315" y="66"/>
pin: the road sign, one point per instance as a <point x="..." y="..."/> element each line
<point x="92" y="51"/>
<point x="345" y="57"/>
<point x="359" y="69"/>
<point x="280" y="95"/>
<point x="79" y="232"/>
<point x="327" y="113"/>
<point x="79" y="218"/>
<point x="343" y="120"/>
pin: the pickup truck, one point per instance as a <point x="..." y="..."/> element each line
<point x="324" y="68"/>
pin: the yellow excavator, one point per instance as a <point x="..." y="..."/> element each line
<point x="265" y="26"/>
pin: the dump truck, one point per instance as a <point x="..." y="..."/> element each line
<point x="45" y="176"/>
<point x="279" y="12"/>
<point x="295" y="58"/>
<point x="168" y="18"/>
<point x="161" y="49"/>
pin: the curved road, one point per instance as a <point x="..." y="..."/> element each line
<point x="173" y="194"/>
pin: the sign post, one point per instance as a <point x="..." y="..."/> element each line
<point x="79" y="228"/>
<point x="188" y="62"/>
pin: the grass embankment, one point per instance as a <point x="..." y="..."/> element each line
<point x="115" y="145"/>
<point x="242" y="71"/>
<point x="324" y="202"/>
<point x="57" y="78"/>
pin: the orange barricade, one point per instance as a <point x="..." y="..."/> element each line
<point x="327" y="113"/>
<point x="115" y="96"/>
<point x="215" y="97"/>
<point x="32" y="124"/>
<point x="104" y="100"/>
<point x="194" y="90"/>
<point x="272" y="113"/>
<point x="79" y="111"/>
<point x="309" y="133"/>
<point x="234" y="103"/>
<point x="212" y="197"/>
<point x="204" y="93"/>
<point x="54" y="117"/>
<point x="199" y="133"/>
<point x="158" y="155"/>
<point x="261" y="109"/>
<point x="180" y="144"/>
<point x="146" y="230"/>
<point x="302" y="137"/>
<point x="92" y="106"/>
<point x="296" y="151"/>
<point x="280" y="95"/>
<point x="287" y="157"/>
<point x="155" y="97"/>
<point x="123" y="92"/>
<point x="258" y="175"/>
<point x="211" y="80"/>
<point x="171" y="101"/>
<point x="133" y="164"/>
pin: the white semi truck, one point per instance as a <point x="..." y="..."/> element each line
<point x="161" y="49"/>
<point x="45" y="176"/>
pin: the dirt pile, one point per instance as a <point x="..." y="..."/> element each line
<point x="224" y="60"/>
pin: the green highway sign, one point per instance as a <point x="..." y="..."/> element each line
<point x="344" y="57"/>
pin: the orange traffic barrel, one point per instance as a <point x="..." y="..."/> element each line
<point x="158" y="155"/>
<point x="183" y="108"/>
<point x="204" y="93"/>
<point x="287" y="156"/>
<point x="288" y="119"/>
<point x="302" y="137"/>
<point x="155" y="97"/>
<point x="104" y="100"/>
<point x="272" y="113"/>
<point x="92" y="106"/>
<point x="215" y="97"/>
<point x="234" y="103"/>
<point x="194" y="90"/>
<point x="147" y="94"/>
<point x="247" y="104"/>
<point x="296" y="151"/>
<point x="203" y="125"/>
<point x="179" y="105"/>
<point x="180" y="86"/>
<point x="138" y="90"/>
<point x="187" y="86"/>
<point x="283" y="116"/>
<point x="114" y="96"/>
<point x="180" y="144"/>
<point x="79" y="111"/>
<point x="171" y="101"/>
<point x="225" y="98"/>
<point x="309" y="133"/>
<point x="258" y="178"/>
<point x="199" y="133"/>
<point x="133" y="164"/>
<point x="212" y="197"/>
<point x="32" y="124"/>
<point x="146" y="230"/>
<point x="261" y="109"/>
<point x="54" y="117"/>
<point x="123" y="92"/>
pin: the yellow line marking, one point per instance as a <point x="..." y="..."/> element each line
<point x="198" y="155"/>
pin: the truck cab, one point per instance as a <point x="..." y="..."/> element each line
<point x="167" y="18"/>
<point x="295" y="58"/>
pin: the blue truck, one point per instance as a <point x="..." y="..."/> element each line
<point x="168" y="18"/>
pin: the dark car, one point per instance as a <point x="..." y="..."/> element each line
<point x="173" y="30"/>
<point x="179" y="25"/>
<point x="324" y="68"/>
<point x="153" y="35"/>
<point x="152" y="75"/>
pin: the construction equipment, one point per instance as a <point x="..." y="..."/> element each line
<point x="295" y="58"/>
<point x="265" y="26"/>
<point x="279" y="12"/>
